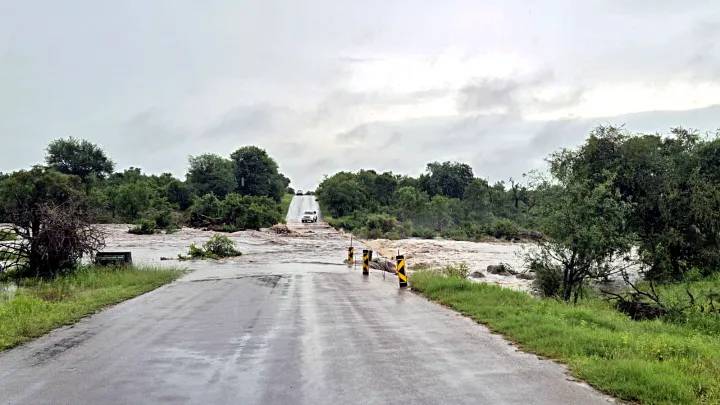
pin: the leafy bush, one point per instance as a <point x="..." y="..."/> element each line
<point x="349" y="222"/>
<point x="473" y="231"/>
<point x="262" y="212"/>
<point x="455" y="233"/>
<point x="423" y="232"/>
<point x="504" y="229"/>
<point x="217" y="247"/>
<point x="381" y="222"/>
<point x="164" y="215"/>
<point x="548" y="278"/>
<point x="456" y="270"/>
<point x="144" y="227"/>
<point x="221" y="246"/>
<point x="235" y="212"/>
<point x="205" y="210"/>
<point x="380" y="226"/>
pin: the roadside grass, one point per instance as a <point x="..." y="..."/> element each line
<point x="654" y="362"/>
<point x="704" y="317"/>
<point x="285" y="204"/>
<point x="38" y="306"/>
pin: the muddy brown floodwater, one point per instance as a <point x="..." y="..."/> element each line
<point x="312" y="243"/>
<point x="477" y="256"/>
<point x="317" y="244"/>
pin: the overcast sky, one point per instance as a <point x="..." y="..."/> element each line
<point x="341" y="85"/>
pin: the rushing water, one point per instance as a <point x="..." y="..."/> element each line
<point x="308" y="244"/>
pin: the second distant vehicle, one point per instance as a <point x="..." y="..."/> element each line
<point x="299" y="192"/>
<point x="309" y="217"/>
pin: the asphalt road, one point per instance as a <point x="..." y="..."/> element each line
<point x="299" y="205"/>
<point x="281" y="334"/>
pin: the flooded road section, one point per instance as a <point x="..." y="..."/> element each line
<point x="283" y="324"/>
<point x="314" y="243"/>
<point x="306" y="244"/>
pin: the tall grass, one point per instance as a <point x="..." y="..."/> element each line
<point x="39" y="305"/>
<point x="285" y="204"/>
<point x="645" y="361"/>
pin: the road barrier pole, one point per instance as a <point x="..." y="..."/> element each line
<point x="366" y="261"/>
<point x="351" y="255"/>
<point x="400" y="270"/>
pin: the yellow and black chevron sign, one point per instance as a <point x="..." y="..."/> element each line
<point x="351" y="255"/>
<point x="400" y="270"/>
<point x="366" y="261"/>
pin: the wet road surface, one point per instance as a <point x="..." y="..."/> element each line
<point x="299" y="205"/>
<point x="280" y="333"/>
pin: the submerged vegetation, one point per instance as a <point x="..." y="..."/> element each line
<point x="217" y="247"/>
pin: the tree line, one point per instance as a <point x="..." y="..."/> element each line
<point x="50" y="208"/>
<point x="447" y="201"/>
<point x="619" y="199"/>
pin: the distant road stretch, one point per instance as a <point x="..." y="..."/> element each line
<point x="300" y="204"/>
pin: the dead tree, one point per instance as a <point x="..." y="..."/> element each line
<point x="52" y="242"/>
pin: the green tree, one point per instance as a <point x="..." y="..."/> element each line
<point x="48" y="212"/>
<point x="439" y="212"/>
<point x="588" y="230"/>
<point x="178" y="193"/>
<point x="341" y="194"/>
<point x="129" y="200"/>
<point x="448" y="178"/>
<point x="256" y="173"/>
<point x="78" y="157"/>
<point x="477" y="199"/>
<point x="410" y="202"/>
<point x="211" y="173"/>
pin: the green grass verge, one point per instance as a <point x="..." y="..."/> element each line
<point x="38" y="306"/>
<point x="647" y="361"/>
<point x="285" y="203"/>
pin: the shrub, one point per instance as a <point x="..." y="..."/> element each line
<point x="262" y="212"/>
<point x="145" y="226"/>
<point x="504" y="229"/>
<point x="473" y="231"/>
<point x="455" y="233"/>
<point x="423" y="232"/>
<point x="456" y="270"/>
<point x="234" y="211"/>
<point x="349" y="222"/>
<point x="205" y="210"/>
<point x="217" y="247"/>
<point x="165" y="217"/>
<point x="378" y="226"/>
<point x="548" y="278"/>
<point x="383" y="223"/>
<point x="221" y="246"/>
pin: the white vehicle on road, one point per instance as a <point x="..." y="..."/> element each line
<point x="309" y="217"/>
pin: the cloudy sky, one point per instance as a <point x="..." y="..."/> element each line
<point x="340" y="85"/>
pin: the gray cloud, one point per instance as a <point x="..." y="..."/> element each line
<point x="332" y="85"/>
<point x="514" y="96"/>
